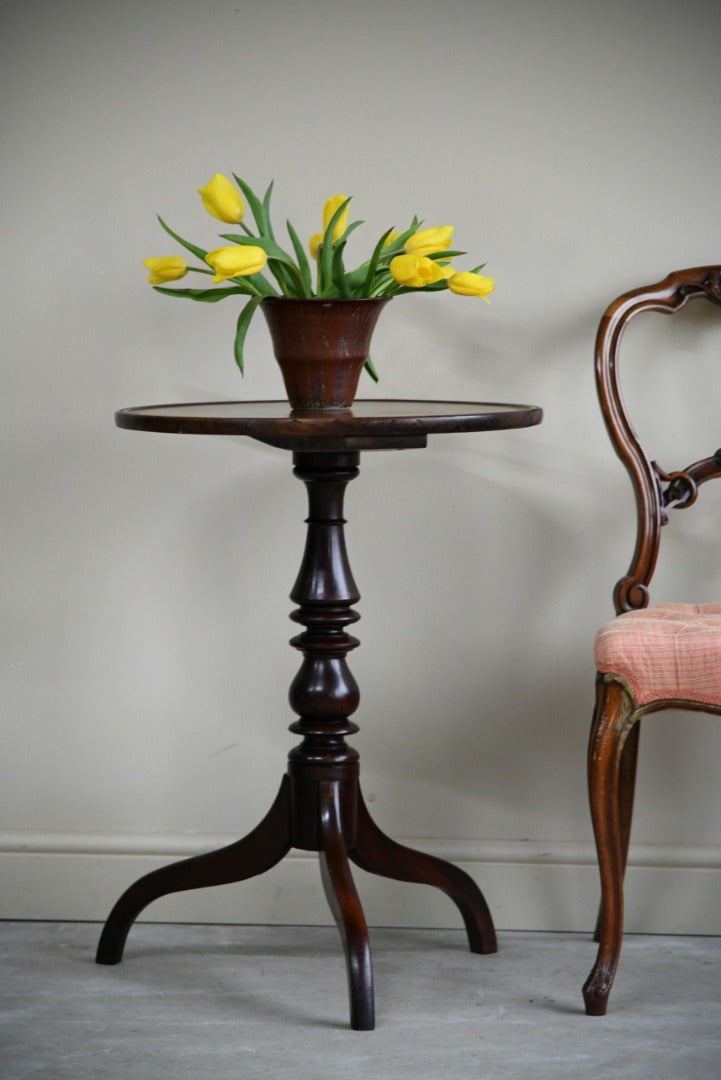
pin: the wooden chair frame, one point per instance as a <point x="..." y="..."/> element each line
<point x="613" y="744"/>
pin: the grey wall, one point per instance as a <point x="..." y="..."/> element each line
<point x="575" y="147"/>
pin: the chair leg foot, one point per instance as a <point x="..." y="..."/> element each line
<point x="595" y="993"/>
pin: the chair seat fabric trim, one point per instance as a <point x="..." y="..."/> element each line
<point x="666" y="652"/>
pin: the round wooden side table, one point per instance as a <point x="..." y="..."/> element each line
<point x="319" y="806"/>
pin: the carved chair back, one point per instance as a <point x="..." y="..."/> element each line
<point x="656" y="491"/>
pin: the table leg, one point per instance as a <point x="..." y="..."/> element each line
<point x="378" y="854"/>
<point x="346" y="907"/>
<point x="257" y="852"/>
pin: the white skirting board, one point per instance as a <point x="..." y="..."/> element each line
<point x="528" y="885"/>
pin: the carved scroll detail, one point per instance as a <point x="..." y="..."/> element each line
<point x="683" y="485"/>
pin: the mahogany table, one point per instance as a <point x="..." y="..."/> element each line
<point x="319" y="806"/>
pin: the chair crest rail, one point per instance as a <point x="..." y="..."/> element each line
<point x="656" y="491"/>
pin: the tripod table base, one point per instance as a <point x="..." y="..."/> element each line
<point x="344" y="837"/>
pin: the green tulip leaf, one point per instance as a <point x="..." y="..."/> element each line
<point x="260" y="284"/>
<point x="338" y="270"/>
<point x="373" y="264"/>
<point x="385" y="285"/>
<point x="353" y="225"/>
<point x="302" y="258"/>
<point x="287" y="282"/>
<point x="442" y="256"/>
<point x="437" y="286"/>
<point x="197" y="251"/>
<point x="338" y="274"/>
<point x="206" y="296"/>
<point x="266" y="212"/>
<point x="400" y="241"/>
<point x="369" y="367"/>
<point x="254" y="203"/>
<point x="244" y="320"/>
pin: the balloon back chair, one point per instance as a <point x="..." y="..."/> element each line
<point x="648" y="658"/>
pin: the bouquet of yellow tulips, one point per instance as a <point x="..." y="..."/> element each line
<point x="401" y="262"/>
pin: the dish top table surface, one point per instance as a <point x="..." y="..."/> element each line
<point x="368" y="424"/>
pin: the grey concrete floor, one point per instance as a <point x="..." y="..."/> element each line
<point x="237" y="1001"/>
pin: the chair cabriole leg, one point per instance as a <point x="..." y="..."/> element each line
<point x="626" y="791"/>
<point x="612" y="722"/>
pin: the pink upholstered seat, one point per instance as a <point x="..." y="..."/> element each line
<point x="667" y="652"/>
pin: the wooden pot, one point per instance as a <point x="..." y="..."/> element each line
<point x="321" y="346"/>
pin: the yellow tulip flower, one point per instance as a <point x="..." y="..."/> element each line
<point x="165" y="268"/>
<point x="430" y="241"/>
<point x="416" y="271"/>
<point x="222" y="200"/>
<point x="331" y="205"/>
<point x="238" y="261"/>
<point x="465" y="283"/>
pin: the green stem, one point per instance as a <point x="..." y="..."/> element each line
<point x="251" y="288"/>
